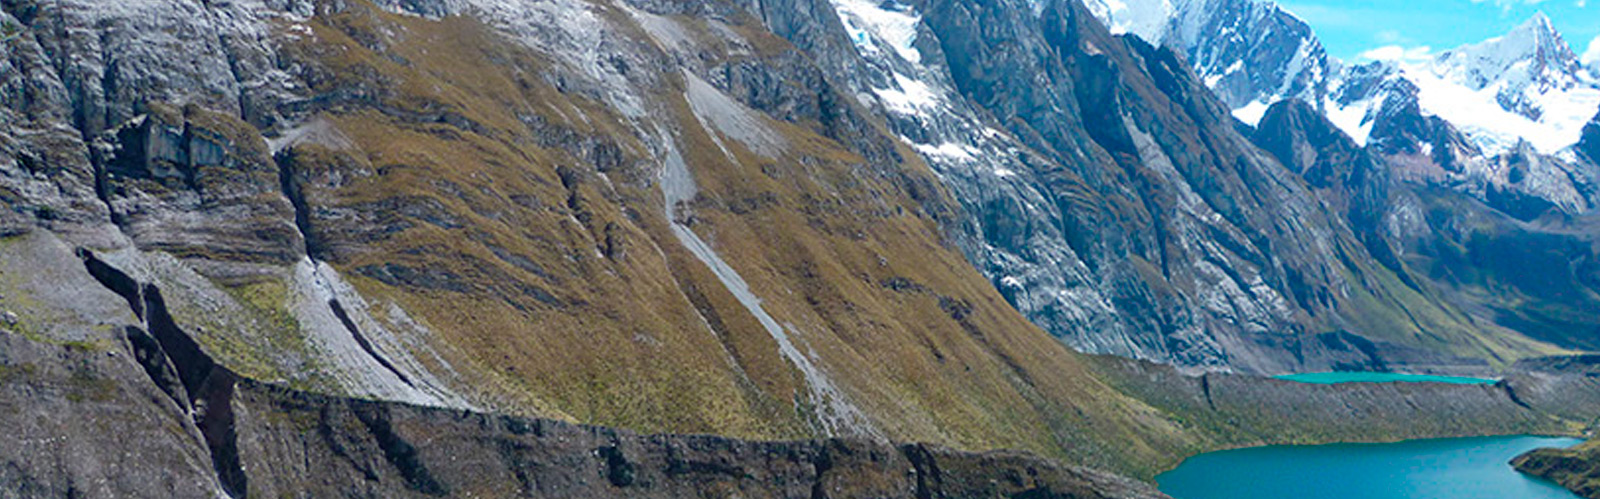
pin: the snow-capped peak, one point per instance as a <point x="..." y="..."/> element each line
<point x="1525" y="85"/>
<point x="1532" y="54"/>
<point x="1147" y="19"/>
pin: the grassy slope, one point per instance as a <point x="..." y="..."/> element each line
<point x="649" y="339"/>
<point x="1577" y="469"/>
<point x="522" y="223"/>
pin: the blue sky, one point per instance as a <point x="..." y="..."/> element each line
<point x="1350" y="27"/>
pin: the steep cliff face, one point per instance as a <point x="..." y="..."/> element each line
<point x="1252" y="53"/>
<point x="1492" y="120"/>
<point x="1119" y="207"/>
<point x="758" y="220"/>
<point x="1448" y="246"/>
<point x="656" y="216"/>
<point x="280" y="442"/>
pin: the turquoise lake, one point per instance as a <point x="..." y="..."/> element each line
<point x="1363" y="377"/>
<point x="1454" y="468"/>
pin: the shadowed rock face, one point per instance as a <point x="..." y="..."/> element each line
<point x="1207" y="251"/>
<point x="280" y="442"/>
<point x="402" y="451"/>
<point x="1477" y="256"/>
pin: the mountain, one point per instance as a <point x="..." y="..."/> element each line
<point x="407" y="247"/>
<point x="1252" y="53"/>
<point x="1527" y="85"/>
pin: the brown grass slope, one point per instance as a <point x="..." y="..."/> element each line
<point x="523" y="225"/>
<point x="1577" y="469"/>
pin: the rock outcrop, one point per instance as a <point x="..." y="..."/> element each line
<point x="63" y="400"/>
<point x="1577" y="469"/>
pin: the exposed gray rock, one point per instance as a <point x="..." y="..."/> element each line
<point x="1106" y="192"/>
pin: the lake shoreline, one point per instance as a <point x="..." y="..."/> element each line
<point x="1339" y="377"/>
<point x="1229" y="411"/>
<point x="1436" y="466"/>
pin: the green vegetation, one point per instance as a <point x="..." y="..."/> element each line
<point x="273" y="345"/>
<point x="84" y="386"/>
<point x="1577" y="469"/>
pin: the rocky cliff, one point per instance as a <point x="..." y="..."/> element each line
<point x="187" y="426"/>
<point x="656" y="216"/>
<point x="83" y="424"/>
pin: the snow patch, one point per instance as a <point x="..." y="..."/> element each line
<point x="871" y="24"/>
<point x="1479" y="114"/>
<point x="1352" y="118"/>
<point x="1147" y="19"/>
<point x="1252" y="113"/>
<point x="947" y="150"/>
<point x="908" y="96"/>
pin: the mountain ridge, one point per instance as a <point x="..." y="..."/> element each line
<point x="780" y="220"/>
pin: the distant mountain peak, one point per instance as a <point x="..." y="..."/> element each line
<point x="1533" y="53"/>
<point x="1526" y="84"/>
<point x="1538" y="23"/>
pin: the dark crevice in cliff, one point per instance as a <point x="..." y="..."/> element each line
<point x="821" y="463"/>
<point x="115" y="280"/>
<point x="289" y="182"/>
<point x="174" y="361"/>
<point x="1512" y="394"/>
<point x="350" y="325"/>
<point x="398" y="451"/>
<point x="147" y="352"/>
<point x="926" y="468"/>
<point x="210" y="387"/>
<point x="1205" y="386"/>
<point x="102" y="186"/>
<point x="619" y="471"/>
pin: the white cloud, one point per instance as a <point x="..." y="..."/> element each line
<point x="1398" y="53"/>
<point x="1391" y="36"/>
<point x="1591" y="56"/>
<point x="1508" y="4"/>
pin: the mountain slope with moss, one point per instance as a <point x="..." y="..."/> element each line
<point x="1577" y="469"/>
<point x="665" y="217"/>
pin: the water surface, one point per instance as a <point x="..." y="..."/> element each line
<point x="1367" y="377"/>
<point x="1454" y="468"/>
